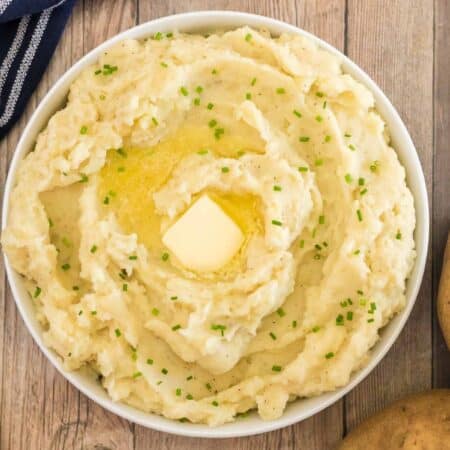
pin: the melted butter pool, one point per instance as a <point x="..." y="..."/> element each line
<point x="131" y="176"/>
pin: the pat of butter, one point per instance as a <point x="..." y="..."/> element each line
<point x="204" y="238"/>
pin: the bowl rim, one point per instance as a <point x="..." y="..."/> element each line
<point x="190" y="21"/>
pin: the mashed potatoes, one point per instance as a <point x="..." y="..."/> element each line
<point x="292" y="151"/>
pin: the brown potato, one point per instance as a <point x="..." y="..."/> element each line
<point x="443" y="302"/>
<point x="416" y="422"/>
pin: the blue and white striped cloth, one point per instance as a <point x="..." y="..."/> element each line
<point x="29" y="33"/>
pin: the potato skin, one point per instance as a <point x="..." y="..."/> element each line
<point x="443" y="302"/>
<point x="416" y="422"/>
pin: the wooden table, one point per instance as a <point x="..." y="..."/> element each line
<point x="404" y="46"/>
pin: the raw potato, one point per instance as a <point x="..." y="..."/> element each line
<point x="418" y="421"/>
<point x="443" y="303"/>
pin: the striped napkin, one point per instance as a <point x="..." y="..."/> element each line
<point x="29" y="33"/>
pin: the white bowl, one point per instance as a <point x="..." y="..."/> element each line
<point x="300" y="409"/>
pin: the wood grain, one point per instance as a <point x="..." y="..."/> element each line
<point x="393" y="41"/>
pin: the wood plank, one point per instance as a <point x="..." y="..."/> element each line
<point x="39" y="408"/>
<point x="326" y="19"/>
<point x="393" y="43"/>
<point x="441" y="179"/>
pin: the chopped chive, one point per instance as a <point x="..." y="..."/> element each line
<point x="297" y="113"/>
<point x="124" y="287"/>
<point x="165" y="256"/>
<point x="340" y="319"/>
<point x="50" y="222"/>
<point x="281" y="312"/>
<point x="327" y="138"/>
<point x="253" y="82"/>
<point x="303" y="169"/>
<point x="321" y="220"/>
<point x="374" y="166"/>
<point x="248" y="96"/>
<point x="348" y="178"/>
<point x="277" y="188"/>
<point x="184" y="91"/>
<point x="351" y="147"/>
<point x="169" y="35"/>
<point x="303" y="138"/>
<point x="272" y="335"/>
<point x="373" y="306"/>
<point x="157" y="36"/>
<point x="361" y="181"/>
<point x="189" y="378"/>
<point x="359" y="214"/>
<point x="212" y="123"/>
<point x="75" y="288"/>
<point x="196" y="101"/>
<point x="66" y="242"/>
<point x="202" y="152"/>
<point x="149" y="361"/>
<point x="302" y="243"/>
<point x="210" y="106"/>
<point x="84" y="178"/>
<point x="398" y="236"/>
<point x="319" y="118"/>
<point x="317" y="256"/>
<point x="324" y="105"/>
<point x="363" y="192"/>
<point x="83" y="129"/>
<point x="357" y="252"/>
<point x="94" y="313"/>
<point x="178" y="392"/>
<point x="163" y="64"/>
<point x="218" y="132"/>
<point x="121" y="152"/>
<point x="121" y="169"/>
<point x="155" y="121"/>
<point x="318" y="162"/>
<point x="277" y="223"/>
<point x="65" y="266"/>
<point x="349" y="315"/>
<point x="344" y="303"/>
<point x="318" y="247"/>
<point x="208" y="386"/>
<point x="37" y="292"/>
<point x="329" y="355"/>
<point x="219" y="327"/>
<point x="276" y="368"/>
<point x="137" y="375"/>
<point x="98" y="72"/>
<point x="240" y="153"/>
<point x="199" y="89"/>
<point x="176" y="327"/>
<point x="280" y="90"/>
<point x="164" y="371"/>
<point x="214" y="72"/>
<point x="118" y="332"/>
<point x="106" y="200"/>
<point x="347" y="135"/>
<point x="294" y="324"/>
<point x="319" y="94"/>
<point x="225" y="169"/>
<point x="360" y="292"/>
<point x="349" y="300"/>
<point x="315" y="329"/>
<point x="133" y="257"/>
<point x="370" y="320"/>
<point x="174" y="297"/>
<point x="102" y="96"/>
<point x="189" y="397"/>
<point x="94" y="249"/>
<point x="362" y="301"/>
<point x="215" y="403"/>
<point x="248" y="37"/>
<point x="155" y="311"/>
